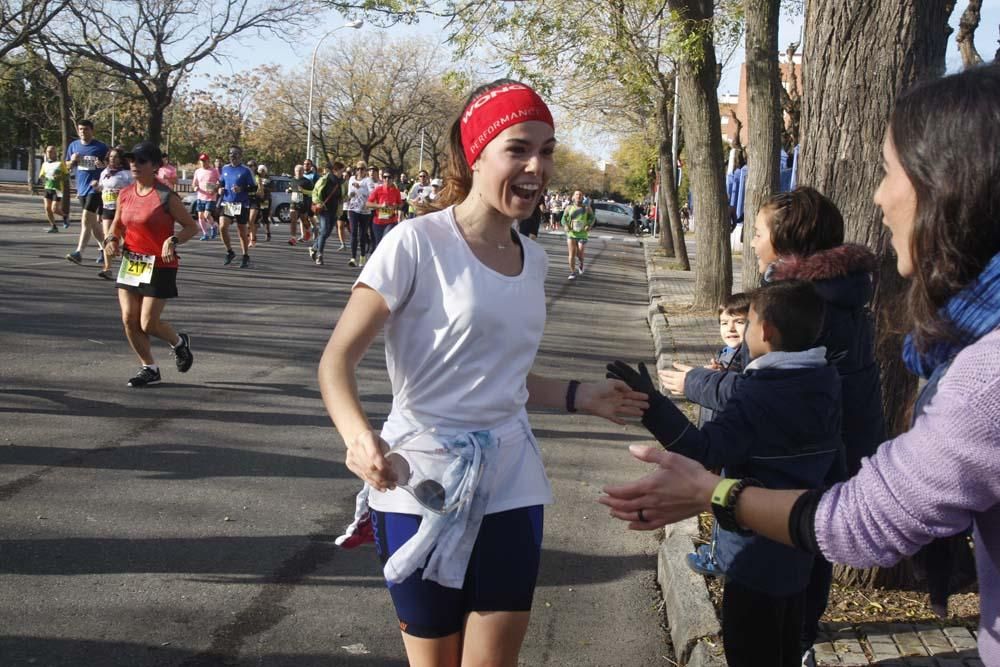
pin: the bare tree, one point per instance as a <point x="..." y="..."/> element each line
<point x="967" y="32"/>
<point x="791" y="100"/>
<point x="703" y="138"/>
<point x="154" y="44"/>
<point x="764" y="120"/>
<point x="21" y="20"/>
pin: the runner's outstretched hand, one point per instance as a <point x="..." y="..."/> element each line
<point x="612" y="399"/>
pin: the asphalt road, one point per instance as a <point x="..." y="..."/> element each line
<point x="192" y="523"/>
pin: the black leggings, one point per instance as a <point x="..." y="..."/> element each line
<point x="361" y="232"/>
<point x="761" y="630"/>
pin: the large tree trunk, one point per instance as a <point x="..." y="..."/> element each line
<point x="858" y="57"/>
<point x="698" y="84"/>
<point x="671" y="229"/>
<point x="763" y="121"/>
<point x="66" y="123"/>
<point x="662" y="216"/>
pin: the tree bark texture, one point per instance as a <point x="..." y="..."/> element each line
<point x="763" y="121"/>
<point x="858" y="58"/>
<point x="662" y="204"/>
<point x="670" y="220"/>
<point x="967" y="33"/>
<point x="703" y="139"/>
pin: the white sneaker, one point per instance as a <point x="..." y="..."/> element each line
<point x="580" y="270"/>
<point x="571" y="276"/>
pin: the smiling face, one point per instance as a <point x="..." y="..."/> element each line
<point x="513" y="170"/>
<point x="732" y="327"/>
<point x="761" y="242"/>
<point x="898" y="200"/>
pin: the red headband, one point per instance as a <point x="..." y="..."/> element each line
<point x="494" y="111"/>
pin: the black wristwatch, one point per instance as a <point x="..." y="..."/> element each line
<point x="724" y="498"/>
<point x="174" y="240"/>
<point x="571" y="395"/>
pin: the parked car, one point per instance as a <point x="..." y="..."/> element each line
<point x="280" y="200"/>
<point x="612" y="214"/>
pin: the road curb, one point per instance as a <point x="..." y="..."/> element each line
<point x="694" y="625"/>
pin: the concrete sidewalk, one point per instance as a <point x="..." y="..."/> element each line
<point x="682" y="335"/>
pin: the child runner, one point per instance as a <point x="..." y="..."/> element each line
<point x="465" y="370"/>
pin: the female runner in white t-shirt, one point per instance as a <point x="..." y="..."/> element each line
<point x="460" y="299"/>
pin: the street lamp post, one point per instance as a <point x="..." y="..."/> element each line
<point x="312" y="82"/>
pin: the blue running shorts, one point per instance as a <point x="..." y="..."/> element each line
<point x="501" y="576"/>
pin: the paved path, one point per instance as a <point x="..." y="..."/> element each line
<point x="192" y="523"/>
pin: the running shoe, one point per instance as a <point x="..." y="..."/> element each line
<point x="182" y="353"/>
<point x="230" y="256"/>
<point x="215" y="232"/>
<point x="362" y="535"/>
<point x="204" y="237"/>
<point x="106" y="274"/>
<point x="268" y="237"/>
<point x="65" y="224"/>
<point x="318" y="259"/>
<point x="580" y="270"/>
<point x="352" y="262"/>
<point x="146" y="375"/>
<point x="571" y="276"/>
<point x="52" y="230"/>
<point x="312" y="253"/>
<point x="361" y="262"/>
<point x="75" y="257"/>
<point x="245" y="262"/>
<point x="292" y="240"/>
<point x="100" y="257"/>
<point x="342" y="246"/>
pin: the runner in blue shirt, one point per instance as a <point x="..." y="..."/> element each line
<point x="87" y="155"/>
<point x="236" y="182"/>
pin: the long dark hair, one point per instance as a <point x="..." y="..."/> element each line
<point x="458" y="172"/>
<point x="946" y="133"/>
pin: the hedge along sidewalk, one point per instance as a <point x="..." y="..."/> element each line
<point x="680" y="334"/>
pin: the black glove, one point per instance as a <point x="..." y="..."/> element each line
<point x="662" y="418"/>
<point x="637" y="380"/>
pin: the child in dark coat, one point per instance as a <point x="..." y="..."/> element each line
<point x="732" y="325"/>
<point x="780" y="427"/>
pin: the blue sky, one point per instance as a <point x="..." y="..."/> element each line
<point x="271" y="49"/>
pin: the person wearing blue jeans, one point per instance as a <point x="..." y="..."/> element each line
<point x="326" y="198"/>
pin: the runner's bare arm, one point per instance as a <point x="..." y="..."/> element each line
<point x="359" y="324"/>
<point x="610" y="399"/>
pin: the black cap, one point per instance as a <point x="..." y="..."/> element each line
<point x="145" y="151"/>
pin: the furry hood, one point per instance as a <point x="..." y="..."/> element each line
<point x="826" y="264"/>
<point x="841" y="275"/>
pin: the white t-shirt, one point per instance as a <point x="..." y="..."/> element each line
<point x="459" y="343"/>
<point x="357" y="194"/>
<point x="111" y="182"/>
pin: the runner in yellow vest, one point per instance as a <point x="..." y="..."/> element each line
<point x="577" y="220"/>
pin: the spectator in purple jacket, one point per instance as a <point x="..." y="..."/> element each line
<point x="943" y="475"/>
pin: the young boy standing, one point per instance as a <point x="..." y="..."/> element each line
<point x="781" y="430"/>
<point x="733" y="315"/>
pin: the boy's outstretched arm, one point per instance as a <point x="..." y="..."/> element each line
<point x="667" y="424"/>
<point x="721" y="443"/>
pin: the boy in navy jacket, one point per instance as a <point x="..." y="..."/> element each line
<point x="782" y="427"/>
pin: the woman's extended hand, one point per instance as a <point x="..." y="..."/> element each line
<point x="611" y="399"/>
<point x="676" y="489"/>
<point x="366" y="459"/>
